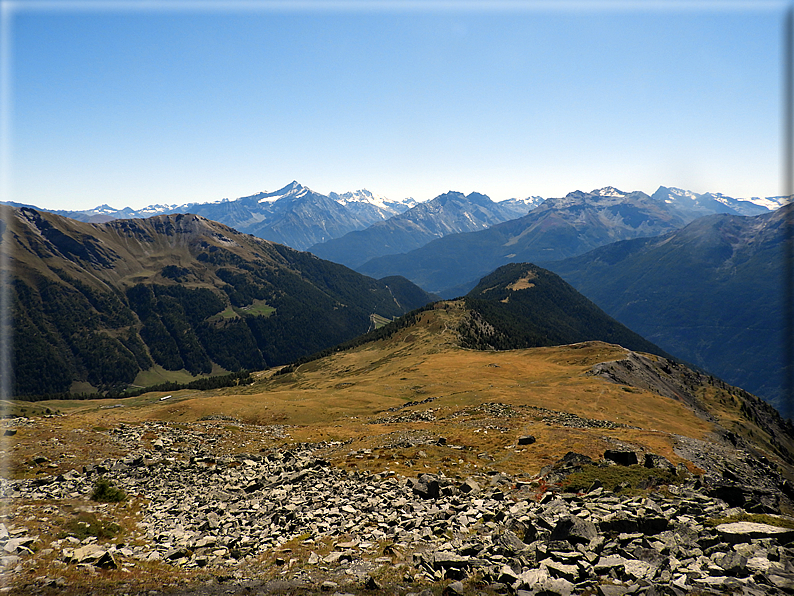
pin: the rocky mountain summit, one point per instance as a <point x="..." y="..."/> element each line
<point x="285" y="520"/>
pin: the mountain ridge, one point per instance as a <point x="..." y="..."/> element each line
<point x="449" y="213"/>
<point x="557" y="228"/>
<point x="103" y="303"/>
<point x="724" y="305"/>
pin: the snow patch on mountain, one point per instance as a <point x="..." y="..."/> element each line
<point x="293" y="189"/>
<point x="379" y="201"/>
<point x="771" y="203"/>
<point x="530" y="202"/>
<point x="609" y="191"/>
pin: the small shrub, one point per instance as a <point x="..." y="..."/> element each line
<point x="619" y="478"/>
<point x="758" y="518"/>
<point x="86" y="524"/>
<point x="105" y="492"/>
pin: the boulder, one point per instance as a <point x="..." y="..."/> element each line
<point x="658" y="462"/>
<point x="621" y="457"/>
<point x="426" y="486"/>
<point x="469" y="486"/>
<point x="574" y="529"/>
<point x="747" y="531"/>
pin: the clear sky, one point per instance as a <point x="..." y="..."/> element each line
<point x="133" y="104"/>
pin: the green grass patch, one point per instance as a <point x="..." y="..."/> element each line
<point x="758" y="518"/>
<point x="228" y="313"/>
<point x="105" y="492"/>
<point x="87" y="524"/>
<point x="257" y="308"/>
<point x="380" y="321"/>
<point x="24" y="408"/>
<point x="157" y="374"/>
<point x="620" y="478"/>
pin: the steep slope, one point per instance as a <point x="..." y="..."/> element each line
<point x="711" y="293"/>
<point x="558" y="228"/>
<point x="100" y="303"/>
<point x="450" y="213"/>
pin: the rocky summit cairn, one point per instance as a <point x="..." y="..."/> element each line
<point x="321" y="529"/>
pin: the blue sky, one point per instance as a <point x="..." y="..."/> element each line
<point x="180" y="102"/>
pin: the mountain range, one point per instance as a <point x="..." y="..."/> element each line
<point x="294" y="215"/>
<point x="304" y="219"/>
<point x="556" y="229"/>
<point x="450" y="213"/>
<point x="110" y="305"/>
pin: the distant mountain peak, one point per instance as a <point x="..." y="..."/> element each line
<point x="293" y="189"/>
<point x="693" y="204"/>
<point x="609" y="191"/>
<point x="679" y="192"/>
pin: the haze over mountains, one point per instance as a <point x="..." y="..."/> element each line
<point x="450" y="213"/>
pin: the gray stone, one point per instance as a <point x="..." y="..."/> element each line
<point x="733" y="563"/>
<point x="639" y="569"/>
<point x="606" y="564"/>
<point x="658" y="462"/>
<point x="561" y="570"/>
<point x="611" y="590"/>
<point x="747" y="531"/>
<point x="469" y="486"/>
<point x="574" y="529"/>
<point x="454" y="589"/>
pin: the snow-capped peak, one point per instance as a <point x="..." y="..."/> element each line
<point x="609" y="191"/>
<point x="103" y="210"/>
<point x="365" y="196"/>
<point x="680" y="192"/>
<point x="771" y="203"/>
<point x="155" y="209"/>
<point x="293" y="189"/>
<point x="359" y="196"/>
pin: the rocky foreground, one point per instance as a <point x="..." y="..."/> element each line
<point x="285" y="521"/>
